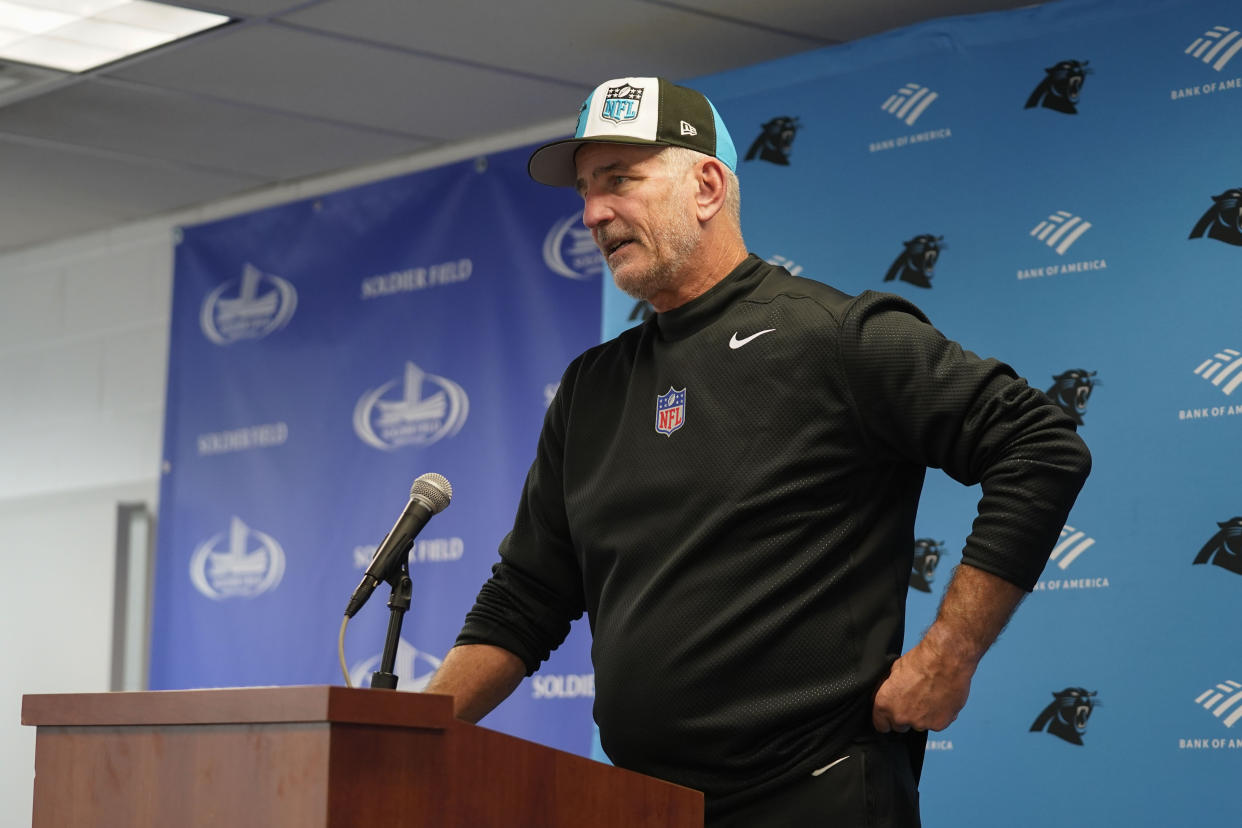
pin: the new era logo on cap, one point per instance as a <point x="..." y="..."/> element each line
<point x="637" y="111"/>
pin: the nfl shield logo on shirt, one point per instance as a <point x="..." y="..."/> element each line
<point x="670" y="411"/>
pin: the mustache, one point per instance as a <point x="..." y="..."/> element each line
<point x="607" y="237"/>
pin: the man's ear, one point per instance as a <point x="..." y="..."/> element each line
<point x="711" y="187"/>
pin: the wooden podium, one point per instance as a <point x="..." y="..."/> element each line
<point x="304" y="757"/>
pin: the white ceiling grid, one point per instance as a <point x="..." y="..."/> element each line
<point x="293" y="90"/>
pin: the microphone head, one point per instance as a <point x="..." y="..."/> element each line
<point x="434" y="490"/>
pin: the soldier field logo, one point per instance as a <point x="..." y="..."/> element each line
<point x="1061" y="87"/>
<point x="916" y="263"/>
<point x="1066" y="717"/>
<point x="410" y="419"/>
<point x="242" y="563"/>
<point x="251" y="307"/>
<point x="570" y="251"/>
<point x="412" y="667"/>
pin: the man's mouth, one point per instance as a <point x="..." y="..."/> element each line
<point x="614" y="246"/>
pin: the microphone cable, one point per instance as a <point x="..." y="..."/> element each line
<point x="340" y="650"/>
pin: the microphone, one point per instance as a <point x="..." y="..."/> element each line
<point x="429" y="495"/>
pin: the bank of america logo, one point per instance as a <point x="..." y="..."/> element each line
<point x="789" y="264"/>
<point x="1217" y="46"/>
<point x="1223" y="370"/>
<point x="264" y="303"/>
<point x="1060" y="230"/>
<point x="1073" y="543"/>
<point x="1223" y="702"/>
<point x="909" y="102"/>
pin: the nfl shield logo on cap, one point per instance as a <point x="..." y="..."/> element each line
<point x="670" y="411"/>
<point x="621" y="103"/>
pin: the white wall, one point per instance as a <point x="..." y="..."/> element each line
<point x="56" y="623"/>
<point x="83" y="358"/>
<point x="84" y="329"/>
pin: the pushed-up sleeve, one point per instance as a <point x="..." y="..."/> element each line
<point x="535" y="590"/>
<point x="922" y="399"/>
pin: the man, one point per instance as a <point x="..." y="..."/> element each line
<point x="729" y="491"/>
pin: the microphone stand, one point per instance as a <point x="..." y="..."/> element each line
<point x="398" y="603"/>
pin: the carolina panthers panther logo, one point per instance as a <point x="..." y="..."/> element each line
<point x="1071" y="390"/>
<point x="775" y="141"/>
<point x="1225" y="547"/>
<point x="1067" y="716"/>
<point x="927" y="554"/>
<point x="1061" y="87"/>
<point x="1223" y="220"/>
<point x="917" y="262"/>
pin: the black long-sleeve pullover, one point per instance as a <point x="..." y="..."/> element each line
<point x="745" y="575"/>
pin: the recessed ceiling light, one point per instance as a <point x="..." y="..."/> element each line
<point x="77" y="35"/>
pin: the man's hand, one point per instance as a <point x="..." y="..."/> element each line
<point x="921" y="691"/>
<point x="928" y="686"/>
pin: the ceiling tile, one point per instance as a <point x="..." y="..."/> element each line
<point x="175" y="127"/>
<point x="249" y="8"/>
<point x="841" y="22"/>
<point x="585" y="42"/>
<point x="48" y="192"/>
<point x="295" y="71"/>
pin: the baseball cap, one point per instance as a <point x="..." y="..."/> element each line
<point x="649" y="111"/>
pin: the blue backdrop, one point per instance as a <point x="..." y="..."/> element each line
<point x="1058" y="187"/>
<point x="326" y="353"/>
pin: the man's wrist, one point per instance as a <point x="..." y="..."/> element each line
<point x="952" y="649"/>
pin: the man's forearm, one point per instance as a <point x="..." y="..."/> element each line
<point x="929" y="685"/>
<point x="478" y="677"/>
<point x="976" y="607"/>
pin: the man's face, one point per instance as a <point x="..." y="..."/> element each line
<point x="640" y="211"/>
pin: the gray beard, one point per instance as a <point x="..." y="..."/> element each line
<point x="677" y="241"/>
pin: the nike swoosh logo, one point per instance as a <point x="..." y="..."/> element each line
<point x="736" y="343"/>
<point x="829" y="765"/>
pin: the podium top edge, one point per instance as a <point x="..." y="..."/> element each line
<point x="241" y="705"/>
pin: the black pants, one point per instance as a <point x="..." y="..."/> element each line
<point x="872" y="785"/>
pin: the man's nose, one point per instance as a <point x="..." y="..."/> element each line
<point x="595" y="211"/>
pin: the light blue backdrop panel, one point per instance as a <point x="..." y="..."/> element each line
<point x="324" y="354"/>
<point x="1064" y="235"/>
